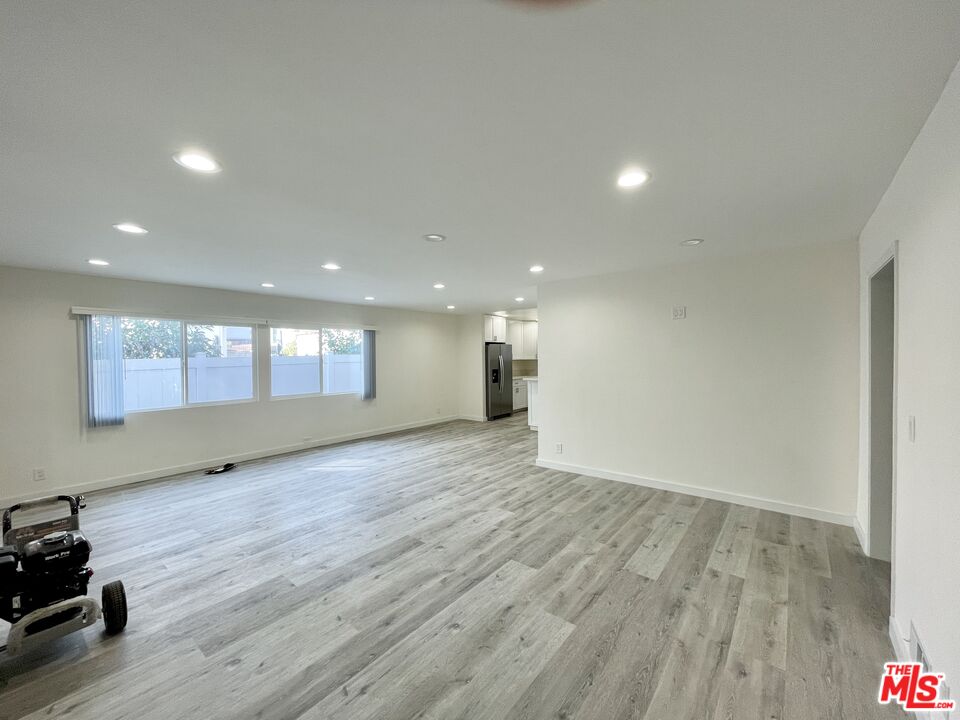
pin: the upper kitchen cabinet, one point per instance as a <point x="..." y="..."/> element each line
<point x="531" y="333"/>
<point x="495" y="329"/>
<point x="522" y="335"/>
<point x="515" y="337"/>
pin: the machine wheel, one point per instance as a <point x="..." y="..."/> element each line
<point x="114" y="607"/>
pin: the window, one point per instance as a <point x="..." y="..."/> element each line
<point x="219" y="363"/>
<point x="152" y="363"/>
<point x="310" y="362"/>
<point x="136" y="364"/>
<point x="294" y="362"/>
<point x="342" y="361"/>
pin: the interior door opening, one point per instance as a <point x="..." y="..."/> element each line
<point x="882" y="408"/>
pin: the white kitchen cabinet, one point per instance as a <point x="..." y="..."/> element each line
<point x="531" y="333"/>
<point x="519" y="395"/>
<point x="533" y="391"/>
<point x="522" y="335"/>
<point x="515" y="337"/>
<point x="494" y="328"/>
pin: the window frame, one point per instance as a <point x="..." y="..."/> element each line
<point x="184" y="365"/>
<point x="297" y="396"/>
<point x="342" y="392"/>
<point x="319" y="329"/>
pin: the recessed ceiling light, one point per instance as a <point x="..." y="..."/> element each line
<point x="438" y="286"/>
<point x="98" y="262"/>
<point x="632" y="178"/>
<point x="519" y="299"/>
<point x="369" y="297"/>
<point x="131" y="228"/>
<point x="330" y="266"/>
<point x="267" y="285"/>
<point x="691" y="242"/>
<point x="451" y="307"/>
<point x="433" y="237"/>
<point x="198" y="161"/>
<point x="536" y="268"/>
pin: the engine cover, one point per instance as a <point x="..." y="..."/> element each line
<point x="56" y="553"/>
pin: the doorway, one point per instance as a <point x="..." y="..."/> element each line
<point x="882" y="408"/>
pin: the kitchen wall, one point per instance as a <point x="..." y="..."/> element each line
<point x="919" y="216"/>
<point x="752" y="397"/>
<point x="418" y="361"/>
<point x="524" y="368"/>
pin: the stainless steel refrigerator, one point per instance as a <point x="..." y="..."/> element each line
<point x="498" y="379"/>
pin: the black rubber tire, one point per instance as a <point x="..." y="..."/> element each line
<point x="114" y="606"/>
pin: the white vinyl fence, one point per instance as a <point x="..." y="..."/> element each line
<point x="152" y="384"/>
<point x="342" y="373"/>
<point x="300" y="375"/>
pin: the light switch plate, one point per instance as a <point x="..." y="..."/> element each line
<point x="679" y="312"/>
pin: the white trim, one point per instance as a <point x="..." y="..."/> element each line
<point x="185" y="406"/>
<point x="889" y="254"/>
<point x="737" y="498"/>
<point x="892" y="254"/>
<point x="472" y="418"/>
<point x="147" y="475"/>
<point x="861" y="535"/>
<point x="901" y="649"/>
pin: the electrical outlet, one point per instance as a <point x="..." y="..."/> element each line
<point x="39" y="474"/>
<point x="559" y="448"/>
<point x="679" y="312"/>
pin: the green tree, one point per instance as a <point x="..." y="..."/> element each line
<point x="342" y="342"/>
<point x="150" y="339"/>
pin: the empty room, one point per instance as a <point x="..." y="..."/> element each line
<point x="479" y="359"/>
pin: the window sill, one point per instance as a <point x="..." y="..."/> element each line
<point x="214" y="403"/>
<point x="313" y="395"/>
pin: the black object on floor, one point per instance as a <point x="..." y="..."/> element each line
<point x="226" y="467"/>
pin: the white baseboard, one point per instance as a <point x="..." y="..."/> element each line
<point x="474" y="418"/>
<point x="736" y="498"/>
<point x="903" y="653"/>
<point x="861" y="535"/>
<point x="157" y="473"/>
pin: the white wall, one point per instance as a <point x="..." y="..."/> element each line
<point x="417" y="380"/>
<point x="921" y="213"/>
<point x="470" y="367"/>
<point x="754" y="394"/>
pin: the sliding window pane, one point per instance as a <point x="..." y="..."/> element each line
<point x="342" y="361"/>
<point x="219" y="363"/>
<point x="294" y="362"/>
<point x="152" y="364"/>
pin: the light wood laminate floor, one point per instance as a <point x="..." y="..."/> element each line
<point x="439" y="574"/>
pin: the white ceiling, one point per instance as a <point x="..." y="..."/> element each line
<point x="349" y="129"/>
